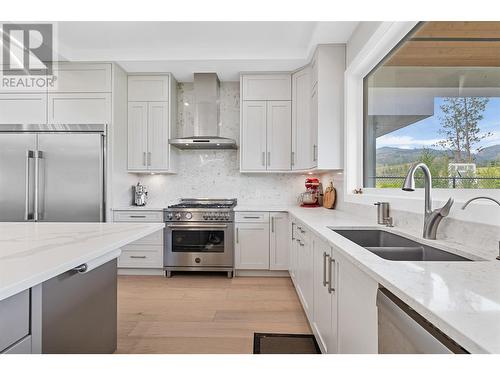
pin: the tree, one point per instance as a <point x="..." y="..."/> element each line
<point x="460" y="126"/>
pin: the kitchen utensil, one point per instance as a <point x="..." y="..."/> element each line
<point x="329" y="196"/>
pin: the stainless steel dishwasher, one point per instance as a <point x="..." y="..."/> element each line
<point x="401" y="330"/>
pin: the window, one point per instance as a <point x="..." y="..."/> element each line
<point x="436" y="99"/>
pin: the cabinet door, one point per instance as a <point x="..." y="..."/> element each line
<point x="279" y="242"/>
<point x="252" y="246"/>
<point x="279" y="135"/>
<point x="23" y="109"/>
<point x="253" y="136"/>
<point x="266" y="87"/>
<point x="357" y="309"/>
<point x="148" y="88"/>
<point x="82" y="77"/>
<point x="301" y="120"/>
<point x="305" y="274"/>
<point x="325" y="323"/>
<point x="79" y="108"/>
<point x="293" y="244"/>
<point x="137" y="135"/>
<point x="313" y="150"/>
<point x="158" y="126"/>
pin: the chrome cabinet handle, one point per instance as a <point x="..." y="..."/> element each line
<point x="263" y="158"/>
<point x="137" y="216"/>
<point x="237" y="235"/>
<point x="138" y="256"/>
<point x="82" y="268"/>
<point x="269" y="158"/>
<point x="315" y="150"/>
<point x="325" y="255"/>
<point x="272" y="224"/>
<point x="301" y="243"/>
<point x="251" y="217"/>
<point x="144" y="158"/>
<point x="331" y="278"/>
<point x="293" y="158"/>
<point x="149" y="159"/>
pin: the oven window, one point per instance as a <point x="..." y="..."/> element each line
<point x="198" y="241"/>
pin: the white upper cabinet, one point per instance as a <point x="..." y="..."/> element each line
<point x="266" y="86"/>
<point x="158" y="135"/>
<point x="327" y="106"/>
<point x="142" y="88"/>
<point x="137" y="135"/>
<point x="23" y="109"/>
<point x="302" y="131"/>
<point x="253" y="148"/>
<point x="266" y="137"/>
<point x="81" y="77"/>
<point x="149" y="123"/>
<point x="79" y="108"/>
<point x="279" y="135"/>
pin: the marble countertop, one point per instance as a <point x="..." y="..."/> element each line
<point x="31" y="253"/>
<point x="462" y="299"/>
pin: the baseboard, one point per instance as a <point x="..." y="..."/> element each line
<point x="141" y="271"/>
<point x="261" y="273"/>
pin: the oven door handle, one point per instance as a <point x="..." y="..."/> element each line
<point x="208" y="226"/>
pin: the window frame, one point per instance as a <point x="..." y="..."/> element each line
<point x="386" y="37"/>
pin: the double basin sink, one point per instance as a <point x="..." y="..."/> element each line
<point x="391" y="246"/>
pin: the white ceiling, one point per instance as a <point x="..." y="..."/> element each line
<point x="182" y="48"/>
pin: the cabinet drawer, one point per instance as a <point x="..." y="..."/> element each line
<point x="23" y="108"/>
<point x="148" y="88"/>
<point x="252" y="217"/>
<point x="79" y="108"/>
<point x="267" y="87"/>
<point x="14" y="319"/>
<point x="74" y="77"/>
<point x="138" y="216"/>
<point x="140" y="258"/>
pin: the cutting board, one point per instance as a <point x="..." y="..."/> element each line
<point x="329" y="196"/>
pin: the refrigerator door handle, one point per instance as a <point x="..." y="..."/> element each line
<point x="37" y="215"/>
<point x="28" y="214"/>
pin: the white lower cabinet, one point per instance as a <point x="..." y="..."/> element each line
<point x="357" y="310"/>
<point x="304" y="270"/>
<point x="252" y="246"/>
<point x="146" y="252"/>
<point x="261" y="241"/>
<point x="325" y="296"/>
<point x="338" y="298"/>
<point x="278" y="250"/>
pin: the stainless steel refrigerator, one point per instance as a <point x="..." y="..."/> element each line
<point x="52" y="173"/>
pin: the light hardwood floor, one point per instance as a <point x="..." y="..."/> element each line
<point x="203" y="313"/>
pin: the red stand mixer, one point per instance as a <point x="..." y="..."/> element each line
<point x="310" y="198"/>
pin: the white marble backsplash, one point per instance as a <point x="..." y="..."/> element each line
<point x="210" y="173"/>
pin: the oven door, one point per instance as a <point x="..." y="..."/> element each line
<point x="199" y="245"/>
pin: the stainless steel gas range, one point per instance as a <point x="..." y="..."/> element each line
<point x="199" y="236"/>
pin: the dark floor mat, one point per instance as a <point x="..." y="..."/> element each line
<point x="279" y="343"/>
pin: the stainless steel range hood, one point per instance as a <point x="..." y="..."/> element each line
<point x="206" y="130"/>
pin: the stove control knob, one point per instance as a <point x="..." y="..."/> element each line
<point x="188" y="215"/>
<point x="177" y="215"/>
<point x="205" y="217"/>
<point x="170" y="216"/>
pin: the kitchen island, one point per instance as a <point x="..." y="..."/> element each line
<point x="57" y="280"/>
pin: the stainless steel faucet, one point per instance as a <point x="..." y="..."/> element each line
<point x="432" y="218"/>
<point x="490" y="199"/>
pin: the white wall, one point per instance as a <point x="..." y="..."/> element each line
<point x="204" y="173"/>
